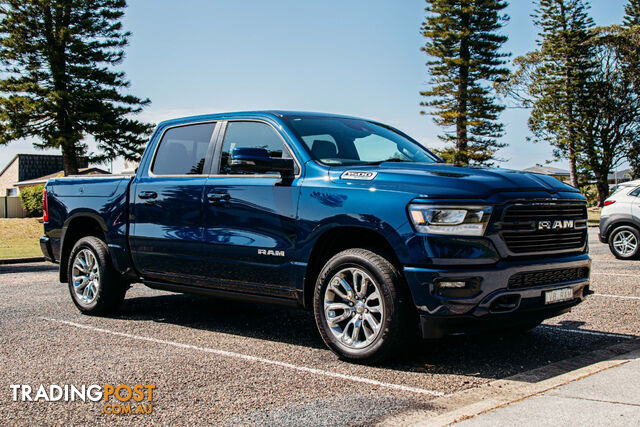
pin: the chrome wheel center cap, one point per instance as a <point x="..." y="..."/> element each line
<point x="359" y="307"/>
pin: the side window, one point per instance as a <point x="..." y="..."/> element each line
<point x="183" y="150"/>
<point x="250" y="135"/>
<point x="635" y="192"/>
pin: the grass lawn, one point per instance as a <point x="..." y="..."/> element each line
<point x="19" y="237"/>
<point x="594" y="216"/>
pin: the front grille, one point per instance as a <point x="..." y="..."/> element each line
<point x="545" y="211"/>
<point x="547" y="277"/>
<point x="521" y="233"/>
<point x="549" y="241"/>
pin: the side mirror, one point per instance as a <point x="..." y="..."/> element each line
<point x="257" y="160"/>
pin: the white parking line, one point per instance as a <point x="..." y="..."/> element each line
<point x="616" y="296"/>
<point x="580" y="331"/>
<point x="619" y="261"/>
<point x="614" y="274"/>
<point x="235" y="355"/>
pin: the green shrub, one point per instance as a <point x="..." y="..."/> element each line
<point x="591" y="193"/>
<point x="32" y="199"/>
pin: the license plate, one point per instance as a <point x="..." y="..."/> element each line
<point x="558" y="295"/>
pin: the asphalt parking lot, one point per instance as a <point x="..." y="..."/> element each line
<point x="217" y="361"/>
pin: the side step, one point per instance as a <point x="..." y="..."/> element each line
<point x="219" y="293"/>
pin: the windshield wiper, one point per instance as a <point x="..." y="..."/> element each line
<point x="383" y="161"/>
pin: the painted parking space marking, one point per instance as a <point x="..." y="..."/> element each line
<point x="615" y="274"/>
<point x="262" y="360"/>
<point x="580" y="331"/>
<point x="616" y="296"/>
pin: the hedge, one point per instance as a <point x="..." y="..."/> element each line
<point x="32" y="199"/>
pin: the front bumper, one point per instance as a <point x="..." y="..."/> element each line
<point x="444" y="315"/>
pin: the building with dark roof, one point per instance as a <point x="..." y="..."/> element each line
<point x="24" y="167"/>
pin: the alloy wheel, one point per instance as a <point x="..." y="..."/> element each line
<point x="86" y="277"/>
<point x="625" y="243"/>
<point x="353" y="308"/>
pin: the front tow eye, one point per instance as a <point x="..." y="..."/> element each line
<point x="505" y="303"/>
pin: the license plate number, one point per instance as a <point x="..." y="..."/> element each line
<point x="558" y="295"/>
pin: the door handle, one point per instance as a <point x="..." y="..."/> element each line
<point x="147" y="195"/>
<point x="218" y="197"/>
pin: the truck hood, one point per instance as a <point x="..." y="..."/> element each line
<point x="439" y="180"/>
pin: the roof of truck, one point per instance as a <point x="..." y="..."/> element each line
<point x="230" y="115"/>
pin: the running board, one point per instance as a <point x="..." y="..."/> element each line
<point x="219" y="293"/>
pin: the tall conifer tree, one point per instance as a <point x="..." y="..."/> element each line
<point x="464" y="48"/>
<point x="632" y="18"/>
<point x="560" y="83"/>
<point x="58" y="78"/>
<point x="632" y="13"/>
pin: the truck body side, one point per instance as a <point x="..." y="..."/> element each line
<point x="261" y="238"/>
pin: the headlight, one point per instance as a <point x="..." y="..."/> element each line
<point x="450" y="220"/>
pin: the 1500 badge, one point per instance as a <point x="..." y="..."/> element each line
<point x="270" y="252"/>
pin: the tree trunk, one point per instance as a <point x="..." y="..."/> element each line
<point x="573" y="170"/>
<point x="462" y="138"/>
<point x="69" y="159"/>
<point x="602" y="186"/>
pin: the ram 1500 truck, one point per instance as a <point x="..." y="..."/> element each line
<point x="350" y="218"/>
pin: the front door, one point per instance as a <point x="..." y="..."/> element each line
<point x="250" y="219"/>
<point x="166" y="226"/>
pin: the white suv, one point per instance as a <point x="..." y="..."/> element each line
<point x="620" y="221"/>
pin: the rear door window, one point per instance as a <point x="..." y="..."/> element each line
<point x="183" y="150"/>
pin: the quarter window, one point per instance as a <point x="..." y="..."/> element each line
<point x="635" y="192"/>
<point x="183" y="150"/>
<point x="250" y="135"/>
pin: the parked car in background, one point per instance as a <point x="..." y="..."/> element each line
<point x="620" y="221"/>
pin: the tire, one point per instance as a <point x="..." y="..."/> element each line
<point x="103" y="289"/>
<point x="624" y="242"/>
<point x="384" y="300"/>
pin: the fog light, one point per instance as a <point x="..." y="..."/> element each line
<point x="459" y="288"/>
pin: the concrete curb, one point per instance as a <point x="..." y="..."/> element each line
<point x="468" y="403"/>
<point x="21" y="260"/>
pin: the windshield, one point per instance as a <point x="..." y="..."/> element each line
<point x="338" y="141"/>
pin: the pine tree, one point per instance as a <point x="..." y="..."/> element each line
<point x="610" y="124"/>
<point x="464" y="49"/>
<point x="560" y="82"/>
<point x="632" y="13"/>
<point x="59" y="82"/>
<point x="632" y="18"/>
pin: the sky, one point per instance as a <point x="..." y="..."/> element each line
<point x="354" y="57"/>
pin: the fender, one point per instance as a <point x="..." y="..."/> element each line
<point x="119" y="254"/>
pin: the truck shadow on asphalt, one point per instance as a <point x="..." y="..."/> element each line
<point x="489" y="355"/>
<point x="40" y="267"/>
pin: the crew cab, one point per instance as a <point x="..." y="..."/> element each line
<point x="347" y="217"/>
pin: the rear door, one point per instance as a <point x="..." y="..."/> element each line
<point x="166" y="225"/>
<point x="250" y="219"/>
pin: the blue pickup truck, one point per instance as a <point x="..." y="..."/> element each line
<point x="347" y="217"/>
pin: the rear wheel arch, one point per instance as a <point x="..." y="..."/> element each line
<point x="621" y="223"/>
<point x="78" y="226"/>
<point x="337" y="239"/>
